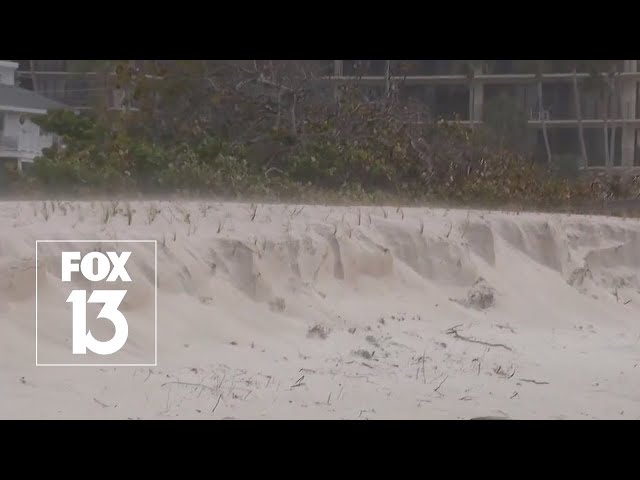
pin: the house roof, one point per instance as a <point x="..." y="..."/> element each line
<point x="14" y="98"/>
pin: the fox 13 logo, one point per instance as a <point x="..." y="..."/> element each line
<point x="96" y="305"/>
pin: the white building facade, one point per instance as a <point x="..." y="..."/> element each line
<point x="21" y="140"/>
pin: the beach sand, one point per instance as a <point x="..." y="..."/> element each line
<point x="317" y="312"/>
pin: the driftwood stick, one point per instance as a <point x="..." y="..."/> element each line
<point x="438" y="387"/>
<point x="533" y="381"/>
<point x="454" y="332"/>
<point x="188" y="384"/>
<point x="216" y="405"/>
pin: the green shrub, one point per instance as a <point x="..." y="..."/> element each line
<point x="364" y="153"/>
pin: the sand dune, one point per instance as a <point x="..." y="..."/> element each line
<point x="285" y="311"/>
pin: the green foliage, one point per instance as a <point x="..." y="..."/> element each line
<point x="567" y="165"/>
<point x="450" y="163"/>
<point x="72" y="128"/>
<point x="507" y="120"/>
<point x="229" y="135"/>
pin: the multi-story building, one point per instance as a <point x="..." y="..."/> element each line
<point x="453" y="95"/>
<point x="81" y="85"/>
<point x="449" y="92"/>
<point x="21" y="140"/>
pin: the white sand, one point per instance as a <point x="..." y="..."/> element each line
<point x="566" y="337"/>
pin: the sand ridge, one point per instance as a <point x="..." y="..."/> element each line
<point x="291" y="311"/>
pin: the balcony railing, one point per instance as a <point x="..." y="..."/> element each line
<point x="8" y="142"/>
<point x="539" y="115"/>
<point x="27" y="145"/>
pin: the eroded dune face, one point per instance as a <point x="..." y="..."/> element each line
<point x="519" y="315"/>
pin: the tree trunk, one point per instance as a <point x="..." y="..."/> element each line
<point x="472" y="94"/>
<point x="471" y="103"/>
<point x="576" y="97"/>
<point x="614" y="130"/>
<point x="388" y="77"/>
<point x="621" y="114"/>
<point x="605" y="116"/>
<point x="279" y="109"/>
<point x="543" y="120"/>
<point x="294" y="104"/>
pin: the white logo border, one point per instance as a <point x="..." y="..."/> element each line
<point x="155" y="364"/>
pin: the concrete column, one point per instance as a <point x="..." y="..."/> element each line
<point x="478" y="97"/>
<point x="338" y="68"/>
<point x="338" y="71"/>
<point x="8" y="72"/>
<point x="628" y="112"/>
